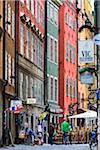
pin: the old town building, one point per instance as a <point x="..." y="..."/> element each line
<point x="68" y="58"/>
<point x="52" y="34"/>
<point x="7" y="67"/>
<point x="30" y="59"/>
<point x="85" y="16"/>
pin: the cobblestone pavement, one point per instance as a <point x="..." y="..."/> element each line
<point x="49" y="147"/>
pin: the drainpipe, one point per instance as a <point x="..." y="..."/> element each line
<point x="45" y="57"/>
<point x="16" y="62"/>
<point x="3" y="93"/>
<point x="77" y="12"/>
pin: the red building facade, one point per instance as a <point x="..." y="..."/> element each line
<point x="68" y="57"/>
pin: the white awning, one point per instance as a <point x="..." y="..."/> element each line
<point x="88" y="114"/>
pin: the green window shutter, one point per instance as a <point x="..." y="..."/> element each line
<point x="66" y="18"/>
<point x="66" y="86"/>
<point x="67" y="50"/>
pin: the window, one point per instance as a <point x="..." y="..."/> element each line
<point x="48" y="47"/>
<point x="6" y="11"/>
<point x="31" y="88"/>
<point x="74" y="56"/>
<point x="51" y="13"/>
<point x="51" y="44"/>
<point x="38" y="11"/>
<point x="22" y="1"/>
<point x="26" y="79"/>
<point x="6" y="65"/>
<point x="13" y="71"/>
<point x="43" y="18"/>
<point x="56" y="17"/>
<point x="27" y="43"/>
<point x="56" y="51"/>
<point x="66" y="86"/>
<point x="35" y="87"/>
<point x="37" y="48"/>
<point x="13" y="25"/>
<point x="48" y="9"/>
<point x="32" y="7"/>
<point x="55" y="90"/>
<point x="28" y="4"/>
<point x="74" y="87"/>
<point x="9" y="19"/>
<point x="82" y="100"/>
<point x="74" y="24"/>
<point x="32" y="49"/>
<point x="67" y="50"/>
<point x="22" y="39"/>
<point x="9" y="68"/>
<point x="70" y="53"/>
<point x="21" y="88"/>
<point x="70" y="88"/>
<point x="40" y="55"/>
<point x="66" y="18"/>
<point x="71" y="22"/>
<point x="51" y="88"/>
<point x="78" y="99"/>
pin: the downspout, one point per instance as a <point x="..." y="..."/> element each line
<point x="3" y="93"/>
<point x="45" y="57"/>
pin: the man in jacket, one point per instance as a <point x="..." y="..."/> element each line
<point x="65" y="128"/>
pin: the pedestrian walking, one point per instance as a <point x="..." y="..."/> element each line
<point x="51" y="134"/>
<point x="40" y="133"/>
<point x="65" y="128"/>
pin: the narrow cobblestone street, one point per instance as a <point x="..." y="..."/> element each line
<point x="49" y="147"/>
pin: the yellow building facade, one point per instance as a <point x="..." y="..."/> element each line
<point x="83" y="89"/>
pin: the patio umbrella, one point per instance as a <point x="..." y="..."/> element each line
<point x="89" y="114"/>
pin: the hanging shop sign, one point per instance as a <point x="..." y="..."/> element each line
<point x="14" y="103"/>
<point x="86" y="78"/>
<point x="96" y="39"/>
<point x="31" y="100"/>
<point x="85" y="51"/>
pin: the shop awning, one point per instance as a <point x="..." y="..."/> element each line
<point x="89" y="114"/>
<point x="86" y="68"/>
